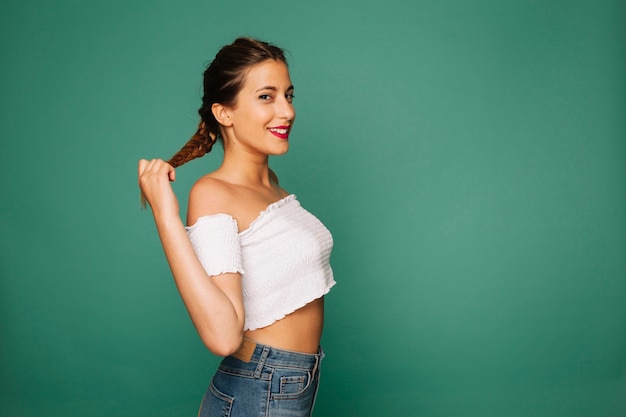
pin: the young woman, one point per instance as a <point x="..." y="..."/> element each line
<point x="253" y="266"/>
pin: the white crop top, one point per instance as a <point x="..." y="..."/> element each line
<point x="283" y="258"/>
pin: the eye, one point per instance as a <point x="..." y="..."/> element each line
<point x="265" y="97"/>
<point x="289" y="97"/>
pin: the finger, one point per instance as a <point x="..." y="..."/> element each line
<point x="141" y="166"/>
<point x="152" y="165"/>
<point x="162" y="167"/>
<point x="149" y="166"/>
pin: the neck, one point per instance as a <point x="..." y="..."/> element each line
<point x="246" y="169"/>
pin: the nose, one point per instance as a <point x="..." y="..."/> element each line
<point x="286" y="110"/>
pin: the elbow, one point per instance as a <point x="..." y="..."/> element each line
<point x="222" y="334"/>
<point x="224" y="345"/>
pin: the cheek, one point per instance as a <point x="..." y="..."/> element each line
<point x="265" y="116"/>
<point x="254" y="117"/>
<point x="260" y="113"/>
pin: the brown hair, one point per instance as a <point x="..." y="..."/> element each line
<point x="223" y="79"/>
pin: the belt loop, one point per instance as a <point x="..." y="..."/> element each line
<point x="318" y="359"/>
<point x="262" y="359"/>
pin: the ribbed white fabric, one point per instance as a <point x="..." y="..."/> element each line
<point x="283" y="258"/>
<point x="215" y="240"/>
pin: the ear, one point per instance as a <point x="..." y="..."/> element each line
<point x="221" y="113"/>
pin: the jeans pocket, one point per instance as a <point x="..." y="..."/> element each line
<point x="289" y="383"/>
<point x="215" y="403"/>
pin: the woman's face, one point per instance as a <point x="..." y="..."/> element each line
<point x="263" y="114"/>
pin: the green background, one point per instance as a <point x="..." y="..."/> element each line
<point x="469" y="158"/>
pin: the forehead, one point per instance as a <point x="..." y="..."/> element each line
<point x="268" y="73"/>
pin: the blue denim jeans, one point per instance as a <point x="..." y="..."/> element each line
<point x="273" y="383"/>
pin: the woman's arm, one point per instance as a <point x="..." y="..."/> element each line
<point x="215" y="304"/>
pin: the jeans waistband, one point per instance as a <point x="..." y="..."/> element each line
<point x="267" y="355"/>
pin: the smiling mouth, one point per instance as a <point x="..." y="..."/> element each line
<point x="280" y="131"/>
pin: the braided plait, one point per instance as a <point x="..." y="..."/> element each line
<point x="200" y="144"/>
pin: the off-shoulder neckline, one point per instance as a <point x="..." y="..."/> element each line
<point x="271" y="207"/>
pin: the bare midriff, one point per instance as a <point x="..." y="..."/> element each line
<point x="299" y="331"/>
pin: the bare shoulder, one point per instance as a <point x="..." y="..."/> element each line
<point x="209" y="196"/>
<point x="212" y="194"/>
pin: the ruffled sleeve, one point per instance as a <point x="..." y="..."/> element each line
<point x="215" y="239"/>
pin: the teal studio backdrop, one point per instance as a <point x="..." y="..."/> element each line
<point x="469" y="158"/>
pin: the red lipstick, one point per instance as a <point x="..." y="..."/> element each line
<point x="281" y="132"/>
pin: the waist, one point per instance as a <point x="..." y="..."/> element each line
<point x="252" y="352"/>
<point x="299" y="331"/>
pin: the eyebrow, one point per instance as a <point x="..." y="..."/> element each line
<point x="269" y="87"/>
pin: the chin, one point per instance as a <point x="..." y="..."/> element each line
<point x="279" y="150"/>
